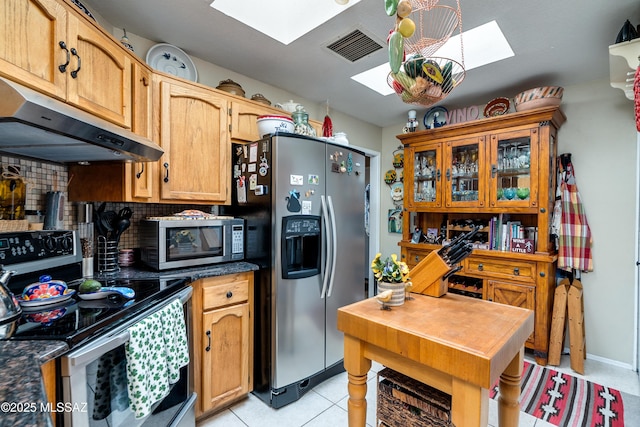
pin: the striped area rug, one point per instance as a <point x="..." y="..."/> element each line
<point x="567" y="401"/>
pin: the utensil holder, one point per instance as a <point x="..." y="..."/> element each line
<point x="107" y="255"/>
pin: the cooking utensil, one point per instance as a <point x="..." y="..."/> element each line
<point x="107" y="220"/>
<point x="10" y="310"/>
<point x="121" y="226"/>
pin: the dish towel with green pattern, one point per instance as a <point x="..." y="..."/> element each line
<point x="156" y="351"/>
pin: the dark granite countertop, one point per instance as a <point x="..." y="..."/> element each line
<point x="22" y="392"/>
<point x="20" y="377"/>
<point x="194" y="273"/>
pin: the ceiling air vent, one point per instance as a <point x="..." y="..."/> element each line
<point x="354" y="46"/>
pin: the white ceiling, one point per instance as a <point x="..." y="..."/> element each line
<point x="558" y="43"/>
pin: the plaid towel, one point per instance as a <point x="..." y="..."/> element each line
<point x="574" y="251"/>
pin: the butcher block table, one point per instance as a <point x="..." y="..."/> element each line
<point x="456" y="344"/>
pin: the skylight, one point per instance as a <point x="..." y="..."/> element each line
<point x="482" y="45"/>
<point x="280" y="19"/>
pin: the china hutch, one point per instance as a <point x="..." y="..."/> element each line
<point x="497" y="174"/>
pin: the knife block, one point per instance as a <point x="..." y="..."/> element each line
<point x="426" y="276"/>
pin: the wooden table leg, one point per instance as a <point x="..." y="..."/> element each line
<point x="469" y="404"/>
<point x="357" y="367"/>
<point x="509" y="400"/>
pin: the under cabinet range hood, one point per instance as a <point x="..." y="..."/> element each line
<point x="38" y="126"/>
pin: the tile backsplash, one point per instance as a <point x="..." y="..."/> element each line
<point x="41" y="177"/>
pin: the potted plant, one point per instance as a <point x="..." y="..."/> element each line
<point x="391" y="274"/>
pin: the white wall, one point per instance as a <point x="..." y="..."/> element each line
<point x="600" y="135"/>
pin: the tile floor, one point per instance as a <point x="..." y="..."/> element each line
<point x="326" y="404"/>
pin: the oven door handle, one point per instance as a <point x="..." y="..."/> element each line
<point x="100" y="346"/>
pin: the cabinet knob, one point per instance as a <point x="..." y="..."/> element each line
<point x="417" y="258"/>
<point x="542" y="274"/>
<point x="208" y="347"/>
<point x="229" y="294"/>
<point x="494" y="171"/>
<point x="516" y="271"/>
<point x="542" y="210"/>
<point x="448" y="174"/>
<point x="139" y="174"/>
<point x="145" y="81"/>
<point x="480" y="267"/>
<point x="438" y="174"/>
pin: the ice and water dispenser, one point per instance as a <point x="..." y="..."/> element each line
<point x="301" y="246"/>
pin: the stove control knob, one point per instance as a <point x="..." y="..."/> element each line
<point x="49" y="243"/>
<point x="66" y="243"/>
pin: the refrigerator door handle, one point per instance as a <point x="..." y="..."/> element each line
<point x="328" y="259"/>
<point x="334" y="244"/>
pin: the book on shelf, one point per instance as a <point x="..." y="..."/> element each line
<point x="502" y="232"/>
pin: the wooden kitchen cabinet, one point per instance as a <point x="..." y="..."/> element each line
<point x="48" y="47"/>
<point x="122" y="181"/>
<point x="244" y="116"/>
<point x="193" y="123"/>
<point x="475" y="173"/>
<point x="29" y="50"/>
<point x="49" y="380"/>
<point x="140" y="176"/>
<point x="515" y="294"/>
<point x="223" y="340"/>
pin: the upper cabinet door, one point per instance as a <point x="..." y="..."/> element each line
<point x="514" y="155"/>
<point x="244" y="121"/>
<point x="141" y="175"/>
<point x="465" y="173"/>
<point x="100" y="74"/>
<point x="30" y="37"/>
<point x="423" y="186"/>
<point x="193" y="133"/>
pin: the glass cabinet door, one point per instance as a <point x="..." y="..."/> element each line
<point x="464" y="170"/>
<point x="513" y="158"/>
<point x="427" y="176"/>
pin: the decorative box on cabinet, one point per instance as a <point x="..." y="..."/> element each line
<point x="223" y="340"/>
<point x="462" y="172"/>
<point x="49" y="46"/>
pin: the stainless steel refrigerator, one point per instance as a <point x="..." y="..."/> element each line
<point x="304" y="205"/>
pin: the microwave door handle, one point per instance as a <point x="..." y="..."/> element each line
<point x="325" y="217"/>
<point x="100" y="346"/>
<point x="334" y="244"/>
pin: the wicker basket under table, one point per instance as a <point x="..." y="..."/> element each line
<point x="403" y="401"/>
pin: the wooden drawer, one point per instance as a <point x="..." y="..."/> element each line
<point x="414" y="256"/>
<point x="496" y="268"/>
<point x="224" y="290"/>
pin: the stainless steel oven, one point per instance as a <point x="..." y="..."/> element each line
<point x="94" y="380"/>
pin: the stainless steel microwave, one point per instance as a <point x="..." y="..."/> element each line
<point x="173" y="243"/>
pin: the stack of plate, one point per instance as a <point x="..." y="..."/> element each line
<point x="126" y="257"/>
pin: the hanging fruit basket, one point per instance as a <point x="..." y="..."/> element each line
<point x="426" y="81"/>
<point x="417" y="76"/>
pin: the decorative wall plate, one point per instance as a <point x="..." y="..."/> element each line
<point x="435" y="117"/>
<point x="172" y="60"/>
<point x="84" y="9"/>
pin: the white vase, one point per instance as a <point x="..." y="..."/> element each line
<point x="398" y="292"/>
